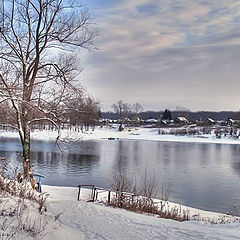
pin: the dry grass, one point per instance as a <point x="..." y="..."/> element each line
<point x="23" y="190"/>
<point x="147" y="205"/>
<point x="142" y="198"/>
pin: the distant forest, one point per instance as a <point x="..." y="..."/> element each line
<point x="191" y="116"/>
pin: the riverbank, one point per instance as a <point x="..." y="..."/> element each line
<point x="67" y="218"/>
<point x="97" y="221"/>
<point x="130" y="133"/>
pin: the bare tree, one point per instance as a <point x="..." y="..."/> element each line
<point x="149" y="184"/>
<point x="84" y="113"/>
<point x="127" y="110"/>
<point x="120" y="181"/>
<point x="122" y="109"/>
<point x="137" y="108"/>
<point x="118" y="108"/>
<point x="38" y="62"/>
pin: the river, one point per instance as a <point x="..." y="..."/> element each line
<point x="202" y="175"/>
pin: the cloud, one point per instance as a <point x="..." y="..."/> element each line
<point x="151" y="48"/>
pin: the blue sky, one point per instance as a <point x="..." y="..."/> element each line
<point x="165" y="54"/>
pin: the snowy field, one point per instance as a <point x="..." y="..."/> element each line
<point x="85" y="220"/>
<point x="130" y="133"/>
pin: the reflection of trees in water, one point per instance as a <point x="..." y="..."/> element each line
<point x="86" y="147"/>
<point x="46" y="158"/>
<point x="235" y="159"/>
<point x="82" y="161"/>
<point x="204" y="149"/>
<point x="50" y="158"/>
<point x="136" y="153"/>
<point x="166" y="154"/>
<point x="122" y="153"/>
<point x="83" y="156"/>
<point x="181" y="155"/>
<point x="71" y="161"/>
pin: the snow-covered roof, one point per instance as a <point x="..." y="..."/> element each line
<point x="182" y="119"/>
<point x="233" y="120"/>
<point x="211" y="120"/>
<point x="151" y="120"/>
<point x="136" y="119"/>
<point x="192" y="126"/>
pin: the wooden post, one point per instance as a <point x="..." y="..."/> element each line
<point x="94" y="192"/>
<point x="109" y="196"/>
<point x="96" y="195"/>
<point x="79" y="188"/>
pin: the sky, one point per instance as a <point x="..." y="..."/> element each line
<point x="165" y="54"/>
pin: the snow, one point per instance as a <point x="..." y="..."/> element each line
<point x="67" y="218"/>
<point x="85" y="220"/>
<point x="130" y="133"/>
<point x="96" y="221"/>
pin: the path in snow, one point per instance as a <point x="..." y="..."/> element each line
<point x="95" y="221"/>
<point x="100" y="222"/>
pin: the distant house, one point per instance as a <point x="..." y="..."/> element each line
<point x="151" y="121"/>
<point x="181" y="120"/>
<point x="164" y="122"/>
<point x="103" y="121"/>
<point x="233" y="123"/>
<point x="136" y="121"/>
<point x="210" y="121"/>
<point x="126" y="120"/>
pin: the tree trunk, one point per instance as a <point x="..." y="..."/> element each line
<point x="27" y="163"/>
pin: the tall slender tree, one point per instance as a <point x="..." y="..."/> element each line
<point x="39" y="40"/>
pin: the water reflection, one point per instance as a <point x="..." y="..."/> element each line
<point x="202" y="175"/>
<point x="121" y="157"/>
<point x="235" y="156"/>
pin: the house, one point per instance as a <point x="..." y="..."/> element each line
<point x="233" y="123"/>
<point x="136" y="121"/>
<point x="151" y="121"/>
<point x="181" y="120"/>
<point x="126" y="120"/>
<point x="210" y="121"/>
<point x="164" y="122"/>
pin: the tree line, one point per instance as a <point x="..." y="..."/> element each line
<point x="166" y="114"/>
<point x="125" y="110"/>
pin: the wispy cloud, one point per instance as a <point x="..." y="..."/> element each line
<point x="148" y="45"/>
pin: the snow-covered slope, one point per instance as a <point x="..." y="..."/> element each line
<point x="96" y="221"/>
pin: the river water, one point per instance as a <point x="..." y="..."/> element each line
<point x="202" y="175"/>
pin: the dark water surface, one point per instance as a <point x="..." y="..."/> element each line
<point x="203" y="175"/>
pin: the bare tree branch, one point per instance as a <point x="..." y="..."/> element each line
<point x="38" y="70"/>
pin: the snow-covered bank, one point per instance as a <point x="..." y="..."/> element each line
<point x="67" y="218"/>
<point x="96" y="221"/>
<point x="23" y="214"/>
<point x="151" y="134"/>
<point x="139" y="133"/>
